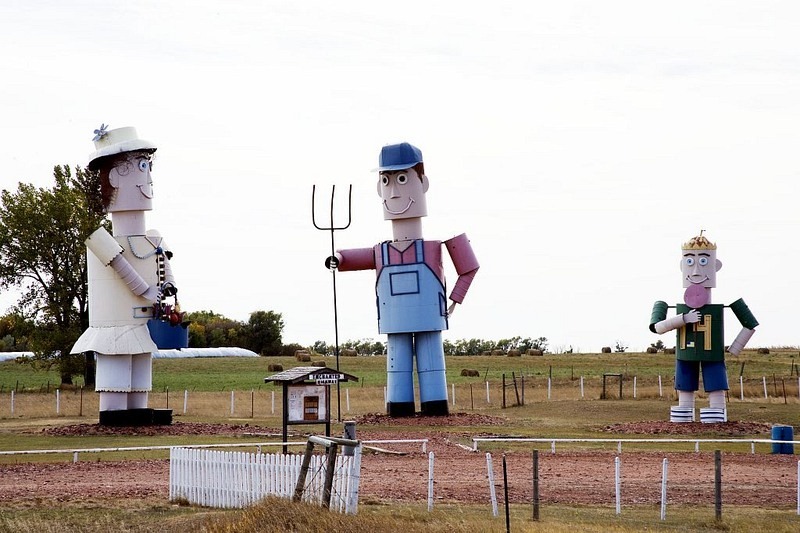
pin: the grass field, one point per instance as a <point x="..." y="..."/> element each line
<point x="557" y="411"/>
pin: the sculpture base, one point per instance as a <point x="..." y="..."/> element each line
<point x="435" y="408"/>
<point x="400" y="409"/>
<point x="136" y="417"/>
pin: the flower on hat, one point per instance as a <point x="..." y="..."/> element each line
<point x="100" y="133"/>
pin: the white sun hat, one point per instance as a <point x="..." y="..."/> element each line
<point x="116" y="141"/>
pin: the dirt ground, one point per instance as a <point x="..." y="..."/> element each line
<point x="460" y="474"/>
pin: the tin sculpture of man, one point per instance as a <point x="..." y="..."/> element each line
<point x="411" y="295"/>
<point x="129" y="274"/>
<point x="700" y="334"/>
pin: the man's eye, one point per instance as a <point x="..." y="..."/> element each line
<point x="402" y="179"/>
<point x="689" y="261"/>
<point x="385" y="180"/>
<point x="144" y="165"/>
<point x="703" y="261"/>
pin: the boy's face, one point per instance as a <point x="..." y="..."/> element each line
<point x="131" y="178"/>
<point x="403" y="194"/>
<point x="699" y="268"/>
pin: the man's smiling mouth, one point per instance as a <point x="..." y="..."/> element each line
<point x="689" y="278"/>
<point x="386" y="207"/>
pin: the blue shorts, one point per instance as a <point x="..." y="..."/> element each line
<point x="687" y="375"/>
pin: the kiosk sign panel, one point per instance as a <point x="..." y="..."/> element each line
<point x="307" y="403"/>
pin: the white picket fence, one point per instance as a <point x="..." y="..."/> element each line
<point x="228" y="479"/>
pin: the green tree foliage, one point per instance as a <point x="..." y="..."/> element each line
<point x="42" y="253"/>
<point x="362" y="347"/>
<point x="264" y="331"/>
<point x="658" y="345"/>
<point x="322" y="348"/>
<point x="261" y="334"/>
<point x="14" y="332"/>
<point x="459" y="347"/>
<point x="212" y="330"/>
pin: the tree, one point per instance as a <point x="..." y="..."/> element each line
<point x="264" y="330"/>
<point x="14" y="332"/>
<point x="322" y="348"/>
<point x="42" y="253"/>
<point x="212" y="330"/>
<point x="658" y="345"/>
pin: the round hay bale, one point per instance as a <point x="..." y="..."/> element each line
<point x="514" y="353"/>
<point x="348" y="352"/>
<point x="669" y="350"/>
<point x="652" y="349"/>
<point x="534" y="351"/>
<point x="763" y="351"/>
<point x="498" y="352"/>
<point x="302" y="357"/>
<point x="605" y="349"/>
<point x="275" y="367"/>
<point x="470" y="372"/>
<point x="321" y="364"/>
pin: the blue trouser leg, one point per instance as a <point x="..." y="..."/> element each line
<point x="431" y="367"/>
<point x="399" y="368"/>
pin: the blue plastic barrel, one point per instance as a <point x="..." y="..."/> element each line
<point x="782" y="433"/>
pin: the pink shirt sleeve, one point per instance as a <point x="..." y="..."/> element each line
<point x="357" y="259"/>
<point x="465" y="263"/>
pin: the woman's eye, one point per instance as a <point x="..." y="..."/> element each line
<point x="402" y="178"/>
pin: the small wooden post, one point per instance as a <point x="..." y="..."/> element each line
<point x="718" y="484"/>
<point x="329" y="472"/>
<point x="504" y="392"/>
<point x="301" y="478"/>
<point x="536" y="484"/>
<point x="505" y="491"/>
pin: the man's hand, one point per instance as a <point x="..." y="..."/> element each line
<point x="332" y="262"/>
<point x="451" y="309"/>
<point x="691" y="317"/>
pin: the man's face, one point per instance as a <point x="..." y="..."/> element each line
<point x="699" y="268"/>
<point x="131" y="178"/>
<point x="403" y="194"/>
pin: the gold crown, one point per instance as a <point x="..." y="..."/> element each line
<point x="699" y="243"/>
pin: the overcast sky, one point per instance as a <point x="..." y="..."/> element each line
<point x="577" y="143"/>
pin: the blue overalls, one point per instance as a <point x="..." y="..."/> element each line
<point x="412" y="311"/>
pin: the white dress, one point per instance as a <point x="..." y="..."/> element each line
<point x="118" y="318"/>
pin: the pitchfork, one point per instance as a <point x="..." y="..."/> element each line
<point x="332" y="228"/>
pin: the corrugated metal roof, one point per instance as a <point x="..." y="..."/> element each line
<point x="303" y="373"/>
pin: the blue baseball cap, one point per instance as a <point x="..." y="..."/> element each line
<point x="398" y="157"/>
